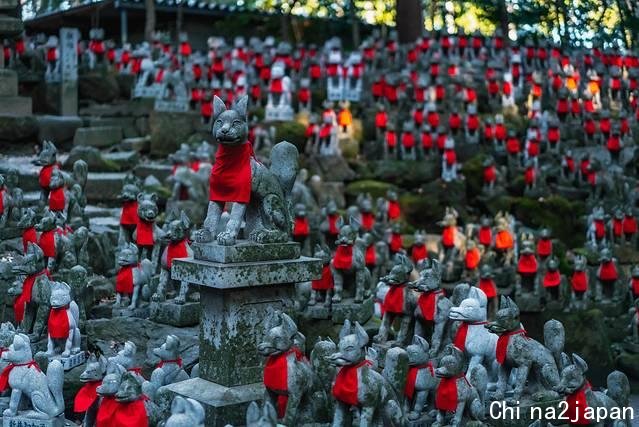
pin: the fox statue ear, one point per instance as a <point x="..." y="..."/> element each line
<point x="218" y="106"/>
<point x="240" y="105"/>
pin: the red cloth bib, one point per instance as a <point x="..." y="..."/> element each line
<point x="544" y="247"/>
<point x="446" y="394"/>
<point x="394" y="210"/>
<point x="332" y="224"/>
<point x="408" y="140"/>
<point x="427" y="304"/>
<point x="346" y="384"/>
<point x="472" y="259"/>
<point x="489" y="288"/>
<point x="57" y="199"/>
<point x="368" y="221"/>
<point x="502" y="344"/>
<point x="176" y="250"/>
<point x="29" y="235"/>
<point x="144" y="231"/>
<point x="391" y="139"/>
<point x="2" y="200"/>
<point x="276" y="86"/>
<point x="490" y="175"/>
<point x="504" y="240"/>
<point x="343" y="258"/>
<point x="276" y="377"/>
<point x="448" y="236"/>
<point x="579" y="281"/>
<point x="326" y="282"/>
<point x="58" y="324"/>
<point x="124" y="280"/>
<point x="577" y="405"/>
<point x="4" y="375"/>
<point x="231" y="174"/>
<point x="552" y="279"/>
<point x="45" y="176"/>
<point x="86" y="396"/>
<point x="600" y="229"/>
<point x="418" y="252"/>
<point x="635" y="286"/>
<point x="396" y="242"/>
<point x="129" y="215"/>
<point x="411" y="378"/>
<point x="370" y="256"/>
<point x="394" y="299"/>
<point x="608" y="271"/>
<point x="485" y="236"/>
<point x="462" y="333"/>
<point x="450" y="156"/>
<point x="527" y="264"/>
<point x="129" y="414"/>
<point x="629" y="225"/>
<point x="25" y="297"/>
<point x="300" y="227"/>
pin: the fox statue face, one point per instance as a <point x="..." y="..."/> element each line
<point x="178" y="229"/>
<point x="19" y="351"/>
<point x="573" y="376"/>
<point x="57" y="179"/>
<point x="147" y="206"/>
<point x="418" y="351"/>
<point x="169" y="350"/>
<point x="507" y="317"/>
<point x="47" y="155"/>
<point x="279" y="338"/>
<point x="95" y="368"/>
<point x="230" y="126"/>
<point x="452" y="362"/>
<point x="129" y="390"/>
<point x="28" y="219"/>
<point x="47" y="223"/>
<point x="127" y="254"/>
<point x="352" y="345"/>
<point x="60" y="295"/>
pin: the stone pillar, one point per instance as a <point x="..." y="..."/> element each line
<point x="240" y="286"/>
<point x="10" y="26"/>
<point x="69" y="72"/>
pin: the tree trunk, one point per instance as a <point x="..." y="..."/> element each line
<point x="354" y="23"/>
<point x="503" y="17"/>
<point x="149" y="24"/>
<point x="408" y="20"/>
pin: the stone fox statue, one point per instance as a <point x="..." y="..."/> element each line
<point x="256" y="192"/>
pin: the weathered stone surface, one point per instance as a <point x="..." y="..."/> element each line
<point x="99" y="87"/>
<point x="169" y="130"/>
<point x="104" y="187"/>
<point x="100" y="137"/>
<point x="331" y="168"/>
<point x="8" y="83"/>
<point x="246" y="275"/>
<point x="16" y="128"/>
<point x="58" y="128"/>
<point x="245" y="251"/>
<point x="169" y="313"/>
<point x="19" y="420"/>
<point x="123" y="160"/>
<point x="136" y="108"/>
<point x="138" y="144"/>
<point x="92" y="156"/>
<point x="160" y="171"/>
<point x="126" y="123"/>
<point x="356" y="312"/>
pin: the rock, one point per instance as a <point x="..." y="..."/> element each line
<point x="151" y="181"/>
<point x="100" y="137"/>
<point x="101" y="246"/>
<point x="94" y="158"/>
<point x="123" y="160"/>
<point x="629" y="364"/>
<point x="292" y="132"/>
<point x="58" y="129"/>
<point x="160" y="171"/>
<point x="17" y="128"/>
<point x="104" y="187"/>
<point x="169" y="130"/>
<point x="142" y="125"/>
<point x="98" y="87"/>
<point x="331" y="168"/>
<point x="126" y="123"/>
<point x="138" y="144"/>
<point x="125" y="83"/>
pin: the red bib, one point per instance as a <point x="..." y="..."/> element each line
<point x="47" y="243"/>
<point x="57" y="199"/>
<point x="393" y="209"/>
<point x="300" y="227"/>
<point x="396" y="242"/>
<point x="371" y="256"/>
<point x="635" y="286"/>
<point x="427" y="304"/>
<point x="2" y="200"/>
<point x="527" y="264"/>
<point x="448" y="236"/>
<point x="446" y="394"/>
<point x="462" y="333"/>
<point x="21" y="301"/>
<point x="144" y="231"/>
<point x="629" y="225"/>
<point x="326" y="282"/>
<point x="485" y="236"/>
<point x="368" y="221"/>
<point x="608" y="271"/>
<point x="552" y="279"/>
<point x="129" y="215"/>
<point x="129" y="414"/>
<point x="394" y="299"/>
<point x="472" y="259"/>
<point x="124" y="280"/>
<point x="332" y="224"/>
<point x="579" y="281"/>
<point x="4" y="375"/>
<point x="411" y="378"/>
<point x="577" y="405"/>
<point x="176" y="250"/>
<point x="276" y="377"/>
<point x="29" y="235"/>
<point x="58" y="324"/>
<point x="489" y="288"/>
<point x="600" y="229"/>
<point x="490" y="175"/>
<point x="502" y="344"/>
<point x="346" y="384"/>
<point x="44" y="178"/>
<point x="418" y="252"/>
<point x="544" y="247"/>
<point x="276" y="86"/>
<point x="343" y="258"/>
<point x="86" y="396"/>
<point x="231" y="174"/>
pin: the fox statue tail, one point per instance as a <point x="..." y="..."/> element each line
<point x="618" y="388"/>
<point x="55" y="380"/>
<point x="395" y="373"/>
<point x="285" y="165"/>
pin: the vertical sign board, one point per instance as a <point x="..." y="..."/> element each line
<point x="69" y="71"/>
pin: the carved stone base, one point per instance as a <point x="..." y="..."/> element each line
<point x="273" y="114"/>
<point x="170" y="313"/>
<point x="139" y="312"/>
<point x="222" y="405"/>
<point x="356" y="312"/>
<point x="318" y="311"/>
<point x="528" y="302"/>
<point x="22" y="421"/>
<point x="245" y="251"/>
<point x="72" y="361"/>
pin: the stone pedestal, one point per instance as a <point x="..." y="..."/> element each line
<point x="10" y="103"/>
<point x="180" y="315"/>
<point x="240" y="286"/>
<point x="31" y="422"/>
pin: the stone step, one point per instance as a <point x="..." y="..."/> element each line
<point x="15" y="106"/>
<point x="104" y="187"/>
<point x="138" y="144"/>
<point x="124" y="160"/>
<point x="160" y="171"/>
<point x="99" y="137"/>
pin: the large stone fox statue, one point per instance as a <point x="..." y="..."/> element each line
<point x="259" y="193"/>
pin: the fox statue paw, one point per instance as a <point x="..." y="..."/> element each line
<point x="226" y="238"/>
<point x="203" y="236"/>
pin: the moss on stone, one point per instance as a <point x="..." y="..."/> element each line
<point x="372" y="187"/>
<point x="292" y="132"/>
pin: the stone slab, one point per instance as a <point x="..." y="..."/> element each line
<point x="160" y="171"/>
<point x="356" y="312"/>
<point x="19" y="421"/>
<point x="245" y="251"/>
<point x="15" y="105"/>
<point x="99" y="136"/>
<point x="249" y="274"/>
<point x="124" y="160"/>
<point x="169" y="313"/>
<point x="318" y="311"/>
<point x="72" y="361"/>
<point x="140" y="312"/>
<point x="8" y="83"/>
<point x="222" y="405"/>
<point x="104" y="187"/>
<point x="57" y="128"/>
<point x="138" y="144"/>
